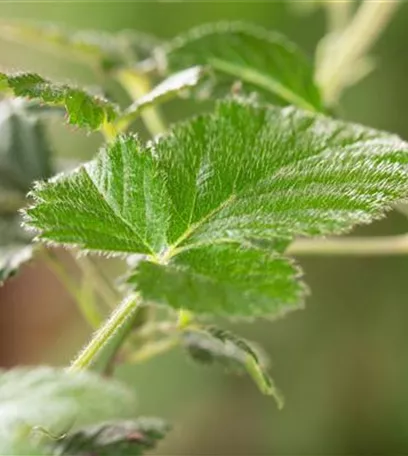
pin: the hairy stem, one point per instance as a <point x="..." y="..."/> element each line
<point x="111" y="334"/>
<point x="87" y="306"/>
<point x="101" y="284"/>
<point x="351" y="246"/>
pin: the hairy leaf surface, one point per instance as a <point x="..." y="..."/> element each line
<point x="224" y="279"/>
<point x="264" y="61"/>
<point x="83" y="109"/>
<point x="203" y="202"/>
<point x="51" y="401"/>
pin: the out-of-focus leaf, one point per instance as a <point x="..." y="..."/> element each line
<point x="209" y="345"/>
<point x="25" y="156"/>
<point x="117" y="438"/>
<point x="93" y="47"/>
<point x="48" y="402"/>
<point x="264" y="61"/>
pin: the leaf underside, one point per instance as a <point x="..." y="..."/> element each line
<point x="212" y="204"/>
<point x="263" y="61"/>
<point x="25" y="156"/>
<point x="119" y="438"/>
<point x="174" y="85"/>
<point x="211" y="344"/>
<point x="83" y="109"/>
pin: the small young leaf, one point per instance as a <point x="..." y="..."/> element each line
<point x="118" y="438"/>
<point x="203" y="200"/>
<point x="207" y="345"/>
<point x="264" y="61"/>
<point x="83" y="109"/>
<point x="51" y="401"/>
<point x="93" y="47"/>
<point x="166" y="90"/>
<point x="25" y="156"/>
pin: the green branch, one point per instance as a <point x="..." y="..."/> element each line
<point x="351" y="246"/>
<point x="341" y="54"/>
<point x="105" y="342"/>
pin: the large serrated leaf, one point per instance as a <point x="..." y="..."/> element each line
<point x="83" y="109"/>
<point x="118" y="438"/>
<point x="25" y="156"/>
<point x="51" y="401"/>
<point x="202" y="201"/>
<point x="207" y="345"/>
<point x="264" y="61"/>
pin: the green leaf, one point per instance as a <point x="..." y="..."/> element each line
<point x="224" y="279"/>
<point x="25" y="156"/>
<point x="119" y="438"/>
<point x="211" y="344"/>
<point x="220" y="195"/>
<point x="264" y="61"/>
<point x="48" y="402"/>
<point x="174" y="85"/>
<point x="93" y="47"/>
<point x="83" y="109"/>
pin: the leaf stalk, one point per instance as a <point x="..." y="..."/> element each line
<point x="351" y="246"/>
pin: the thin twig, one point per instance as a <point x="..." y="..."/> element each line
<point x="351" y="246"/>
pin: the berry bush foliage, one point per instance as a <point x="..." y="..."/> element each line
<point x="205" y="216"/>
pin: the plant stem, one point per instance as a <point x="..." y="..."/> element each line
<point x="343" y="52"/>
<point x="101" y="284"/>
<point x="155" y="348"/>
<point x="109" y="131"/>
<point x="351" y="246"/>
<point x="87" y="307"/>
<point x="338" y="14"/>
<point x="115" y="329"/>
<point x="137" y="85"/>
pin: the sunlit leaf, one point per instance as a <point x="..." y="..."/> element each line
<point x="212" y="204"/>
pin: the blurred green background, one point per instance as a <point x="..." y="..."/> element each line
<point x="341" y="363"/>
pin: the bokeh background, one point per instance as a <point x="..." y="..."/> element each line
<point x="341" y="362"/>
